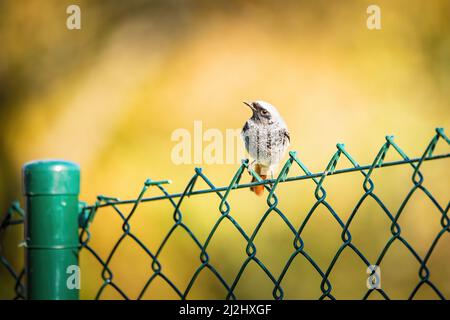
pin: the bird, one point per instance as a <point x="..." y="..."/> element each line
<point x="266" y="139"/>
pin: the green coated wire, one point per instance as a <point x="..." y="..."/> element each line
<point x="15" y="216"/>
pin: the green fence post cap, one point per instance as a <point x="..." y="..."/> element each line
<point x="45" y="177"/>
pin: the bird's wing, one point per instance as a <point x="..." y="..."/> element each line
<point x="245" y="128"/>
<point x="244" y="135"/>
<point x="286" y="136"/>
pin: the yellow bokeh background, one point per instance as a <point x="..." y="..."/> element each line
<point x="110" y="95"/>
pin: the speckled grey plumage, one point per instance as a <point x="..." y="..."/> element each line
<point x="265" y="136"/>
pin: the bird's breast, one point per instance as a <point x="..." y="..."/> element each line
<point x="265" y="143"/>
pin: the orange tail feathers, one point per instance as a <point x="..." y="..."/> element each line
<point x="259" y="189"/>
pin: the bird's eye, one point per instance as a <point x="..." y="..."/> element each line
<point x="264" y="112"/>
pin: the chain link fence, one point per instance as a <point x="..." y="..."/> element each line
<point x="15" y="217"/>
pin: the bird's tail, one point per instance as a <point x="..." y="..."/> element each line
<point x="259" y="189"/>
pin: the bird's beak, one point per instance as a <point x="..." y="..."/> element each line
<point x="250" y="105"/>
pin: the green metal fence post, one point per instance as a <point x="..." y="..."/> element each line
<point x="51" y="229"/>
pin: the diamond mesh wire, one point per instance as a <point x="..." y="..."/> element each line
<point x="88" y="212"/>
<point x="13" y="219"/>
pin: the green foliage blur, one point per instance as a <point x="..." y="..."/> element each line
<point x="110" y="95"/>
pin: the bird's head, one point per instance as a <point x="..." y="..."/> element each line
<point x="264" y="112"/>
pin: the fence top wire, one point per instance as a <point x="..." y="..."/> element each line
<point x="330" y="170"/>
<point x="87" y="213"/>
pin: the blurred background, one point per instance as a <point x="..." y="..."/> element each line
<point x="110" y="95"/>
